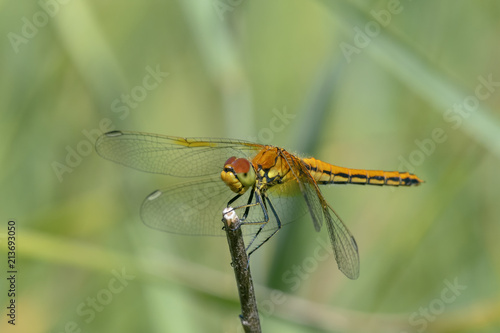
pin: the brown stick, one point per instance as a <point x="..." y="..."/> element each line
<point x="250" y="315"/>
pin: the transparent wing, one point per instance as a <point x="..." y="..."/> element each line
<point x="309" y="189"/>
<point x="170" y="155"/>
<point x="344" y="244"/>
<point x="195" y="208"/>
<point x="192" y="208"/>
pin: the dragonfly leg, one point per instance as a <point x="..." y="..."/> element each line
<point x="278" y="221"/>
<point x="263" y="203"/>
<point x="248" y="205"/>
<point x="258" y="199"/>
<point x="233" y="199"/>
<point x="258" y="202"/>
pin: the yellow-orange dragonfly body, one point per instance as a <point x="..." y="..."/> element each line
<point x="267" y="187"/>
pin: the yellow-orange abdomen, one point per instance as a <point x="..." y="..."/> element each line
<point x="325" y="173"/>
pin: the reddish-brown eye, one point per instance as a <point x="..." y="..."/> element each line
<point x="241" y="165"/>
<point x="230" y="160"/>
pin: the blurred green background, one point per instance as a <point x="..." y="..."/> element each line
<point x="412" y="95"/>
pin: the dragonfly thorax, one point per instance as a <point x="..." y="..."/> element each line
<point x="238" y="174"/>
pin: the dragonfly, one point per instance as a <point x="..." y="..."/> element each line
<point x="266" y="186"/>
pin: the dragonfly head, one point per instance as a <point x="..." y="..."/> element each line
<point x="238" y="174"/>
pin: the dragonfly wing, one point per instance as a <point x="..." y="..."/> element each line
<point x="344" y="245"/>
<point x="192" y="208"/>
<point x="288" y="201"/>
<point x="170" y="155"/>
<point x="309" y="190"/>
<point x="195" y="208"/>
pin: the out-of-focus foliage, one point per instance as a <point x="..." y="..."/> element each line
<point x="408" y="85"/>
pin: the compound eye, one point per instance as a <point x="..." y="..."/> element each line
<point x="241" y="165"/>
<point x="244" y="171"/>
<point x="230" y="160"/>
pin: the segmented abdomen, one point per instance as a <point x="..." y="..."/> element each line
<point x="325" y="173"/>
